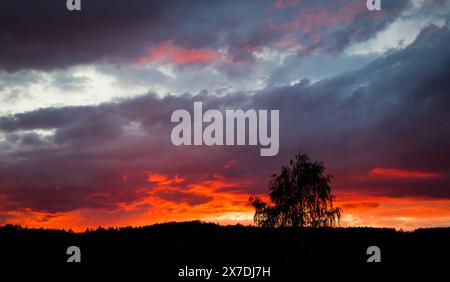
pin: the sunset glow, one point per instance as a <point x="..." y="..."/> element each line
<point x="87" y="103"/>
<point x="209" y="201"/>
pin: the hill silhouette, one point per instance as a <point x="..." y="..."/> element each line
<point x="163" y="248"/>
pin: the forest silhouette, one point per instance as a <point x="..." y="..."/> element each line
<point x="163" y="248"/>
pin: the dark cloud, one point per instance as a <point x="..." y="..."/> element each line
<point x="190" y="198"/>
<point x="392" y="113"/>
<point x="47" y="118"/>
<point x="43" y="35"/>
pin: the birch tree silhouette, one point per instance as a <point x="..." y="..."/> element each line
<point x="299" y="196"/>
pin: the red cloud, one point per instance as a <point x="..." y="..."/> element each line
<point x="166" y="53"/>
<point x="402" y="173"/>
<point x="315" y="17"/>
<point x="282" y="4"/>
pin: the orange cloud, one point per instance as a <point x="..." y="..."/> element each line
<point x="155" y="177"/>
<point x="406" y="213"/>
<point x="218" y="199"/>
<point x="163" y="179"/>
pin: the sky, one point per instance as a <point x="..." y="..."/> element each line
<point x="86" y="99"/>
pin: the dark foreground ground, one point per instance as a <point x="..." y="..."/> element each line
<point x="158" y="252"/>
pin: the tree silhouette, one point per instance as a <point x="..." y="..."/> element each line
<point x="299" y="196"/>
